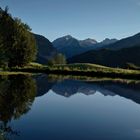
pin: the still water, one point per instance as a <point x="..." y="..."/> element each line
<point x="49" y="107"/>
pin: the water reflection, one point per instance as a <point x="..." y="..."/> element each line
<point x="67" y="87"/>
<point x="17" y="94"/>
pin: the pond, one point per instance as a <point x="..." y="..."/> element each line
<point x="66" y="108"/>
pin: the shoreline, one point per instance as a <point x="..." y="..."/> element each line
<point x="89" y="70"/>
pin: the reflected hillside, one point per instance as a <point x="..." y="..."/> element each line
<point x="44" y="84"/>
<point x="128" y="90"/>
<point x="67" y="87"/>
<point x="17" y="94"/>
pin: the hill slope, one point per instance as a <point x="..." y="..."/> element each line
<point x="111" y="58"/>
<point x="45" y="49"/>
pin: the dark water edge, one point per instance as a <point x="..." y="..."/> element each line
<point x="24" y="94"/>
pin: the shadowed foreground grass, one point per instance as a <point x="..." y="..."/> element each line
<point x="92" y="70"/>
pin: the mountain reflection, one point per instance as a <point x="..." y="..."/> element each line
<point x="17" y="94"/>
<point x="67" y="87"/>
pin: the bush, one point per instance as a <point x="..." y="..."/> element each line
<point x="58" y="59"/>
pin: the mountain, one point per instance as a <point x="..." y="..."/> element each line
<point x="108" y="41"/>
<point x="104" y="43"/>
<point x="70" y="46"/>
<point x="117" y="54"/>
<point x="125" y="43"/>
<point x="45" y="49"/>
<point x="111" y="58"/>
<point x="87" y="42"/>
<point x="67" y="40"/>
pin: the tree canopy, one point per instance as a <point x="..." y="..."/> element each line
<point x="17" y="44"/>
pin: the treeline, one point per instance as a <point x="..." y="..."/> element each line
<point x="17" y="44"/>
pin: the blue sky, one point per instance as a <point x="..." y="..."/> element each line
<point x="82" y="19"/>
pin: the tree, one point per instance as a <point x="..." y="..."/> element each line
<point x="57" y="59"/>
<point x="6" y="34"/>
<point x="24" y="48"/>
<point x="16" y="40"/>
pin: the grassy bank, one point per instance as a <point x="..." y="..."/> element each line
<point x="3" y="73"/>
<point x="80" y="69"/>
<point x="53" y="77"/>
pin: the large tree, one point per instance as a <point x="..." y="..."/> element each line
<point x="16" y="41"/>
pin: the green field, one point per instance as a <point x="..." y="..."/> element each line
<point x="92" y="68"/>
<point x="84" y="69"/>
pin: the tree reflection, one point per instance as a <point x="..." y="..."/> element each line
<point x="17" y="94"/>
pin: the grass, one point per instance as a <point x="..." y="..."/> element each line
<point x="132" y="66"/>
<point x="13" y="73"/>
<point x="53" y="77"/>
<point x="80" y="69"/>
<point x="92" y="68"/>
<point x="95" y="70"/>
<point x="31" y="68"/>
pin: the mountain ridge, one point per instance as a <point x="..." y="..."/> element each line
<point x="127" y="42"/>
<point x="70" y="46"/>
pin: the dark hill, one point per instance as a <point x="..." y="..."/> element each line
<point x="111" y="58"/>
<point x="45" y="49"/>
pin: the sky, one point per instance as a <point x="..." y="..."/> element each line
<point x="97" y="19"/>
